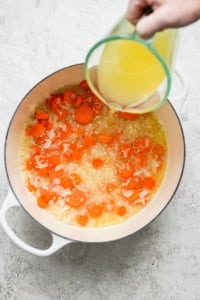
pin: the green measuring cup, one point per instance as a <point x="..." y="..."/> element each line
<point x="129" y="73"/>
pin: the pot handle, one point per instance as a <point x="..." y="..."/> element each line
<point x="57" y="242"/>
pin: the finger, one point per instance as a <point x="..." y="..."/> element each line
<point x="156" y="21"/>
<point x="135" y="10"/>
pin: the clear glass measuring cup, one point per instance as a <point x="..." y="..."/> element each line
<point x="129" y="73"/>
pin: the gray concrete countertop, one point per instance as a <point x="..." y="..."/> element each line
<point x="161" y="262"/>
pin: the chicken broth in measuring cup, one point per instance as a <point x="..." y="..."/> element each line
<point x="88" y="166"/>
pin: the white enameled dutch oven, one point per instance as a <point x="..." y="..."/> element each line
<point x="63" y="234"/>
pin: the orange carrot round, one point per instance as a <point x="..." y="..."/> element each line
<point x="43" y="172"/>
<point x="132" y="183"/>
<point x="67" y="182"/>
<point x="97" y="162"/>
<point x="54" y="159"/>
<point x="125" y="170"/>
<point x="41" y="115"/>
<point x="53" y="175"/>
<point x="84" y="85"/>
<point x="45" y="197"/>
<point x="30" y="163"/>
<point x="78" y="101"/>
<point x="82" y="219"/>
<point x="95" y="210"/>
<point x="84" y="114"/>
<point x="148" y="183"/>
<point x="76" y="178"/>
<point x="105" y="138"/>
<point x="128" y="116"/>
<point x="131" y="196"/>
<point x="69" y="96"/>
<point x="143" y="144"/>
<point x="30" y="186"/>
<point x="89" y="141"/>
<point x="42" y="203"/>
<point x="76" y="199"/>
<point x="121" y="210"/>
<point x="37" y="130"/>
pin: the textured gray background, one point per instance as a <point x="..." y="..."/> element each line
<point x="160" y="262"/>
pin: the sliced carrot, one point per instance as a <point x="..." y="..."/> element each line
<point x="84" y="85"/>
<point x="97" y="162"/>
<point x="36" y="149"/>
<point x="41" y="115"/>
<point x="73" y="145"/>
<point x="69" y="96"/>
<point x="61" y="134"/>
<point x="132" y="183"/>
<point x="77" y="153"/>
<point x="125" y="150"/>
<point x="148" y="183"/>
<point x="62" y="113"/>
<point x="68" y="157"/>
<point x="76" y="199"/>
<point x="78" y="101"/>
<point x="67" y="182"/>
<point x="30" y="186"/>
<point x="121" y="210"/>
<point x="45" y="197"/>
<point x="37" y="130"/>
<point x="52" y="196"/>
<point x="53" y="175"/>
<point x="46" y="123"/>
<point x="125" y="170"/>
<point x="97" y="105"/>
<point x="143" y="144"/>
<point x="86" y="100"/>
<point x="76" y="178"/>
<point x="89" y="141"/>
<point x="95" y="210"/>
<point x="140" y="159"/>
<point x="84" y="114"/>
<point x="54" y="159"/>
<point x="42" y="203"/>
<point x="105" y="138"/>
<point x="41" y="159"/>
<point x="51" y="99"/>
<point x="82" y="220"/>
<point x="42" y="139"/>
<point x="56" y="139"/>
<point x="131" y="196"/>
<point x="54" y="104"/>
<point x="68" y="128"/>
<point x="30" y="163"/>
<point x="128" y="116"/>
<point x="43" y="172"/>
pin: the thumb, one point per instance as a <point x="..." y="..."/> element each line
<point x="152" y="23"/>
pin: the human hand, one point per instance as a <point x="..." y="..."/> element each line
<point x="166" y="14"/>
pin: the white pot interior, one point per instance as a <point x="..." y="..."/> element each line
<point x="175" y="164"/>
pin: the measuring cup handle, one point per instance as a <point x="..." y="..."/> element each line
<point x="184" y="87"/>
<point x="57" y="242"/>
